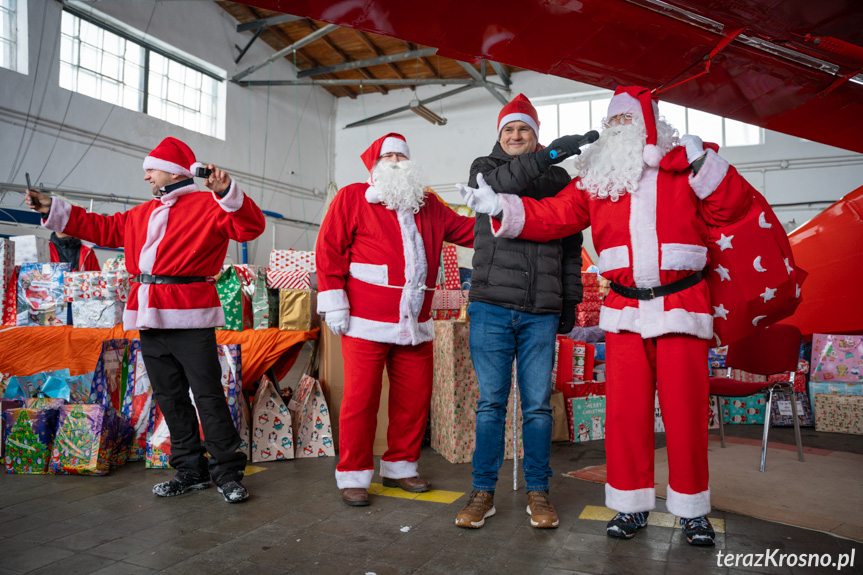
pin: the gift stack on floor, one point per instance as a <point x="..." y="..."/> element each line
<point x="836" y="383"/>
<point x="591" y="302"/>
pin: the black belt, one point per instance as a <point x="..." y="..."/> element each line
<point x="151" y="279"/>
<point x="658" y="291"/>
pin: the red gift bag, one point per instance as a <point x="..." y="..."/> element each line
<point x="573" y="363"/>
<point x="752" y="277"/>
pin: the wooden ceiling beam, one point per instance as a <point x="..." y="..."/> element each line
<point x="425" y="61"/>
<point x="281" y="35"/>
<point x="365" y="73"/>
<point x="364" y="38"/>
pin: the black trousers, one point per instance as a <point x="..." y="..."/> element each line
<point x="180" y="359"/>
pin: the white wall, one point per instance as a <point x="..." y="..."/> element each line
<point x="75" y="142"/>
<point x="812" y="172"/>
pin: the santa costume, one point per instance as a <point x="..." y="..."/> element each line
<point x="381" y="264"/>
<point x="652" y="245"/>
<point x="174" y="245"/>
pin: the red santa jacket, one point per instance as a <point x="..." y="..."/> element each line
<point x="87" y="260"/>
<point x="378" y="263"/>
<point x="184" y="233"/>
<point x="652" y="237"/>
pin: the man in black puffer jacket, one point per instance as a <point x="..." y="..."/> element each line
<point x="522" y="294"/>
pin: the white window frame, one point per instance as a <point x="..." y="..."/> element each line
<point x="154" y="45"/>
<point x="19" y="40"/>
<point x="597" y="95"/>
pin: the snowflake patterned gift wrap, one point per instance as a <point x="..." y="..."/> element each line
<point x="455" y="392"/>
<point x="29" y="435"/>
<point x="81" y="441"/>
<point x="31" y="249"/>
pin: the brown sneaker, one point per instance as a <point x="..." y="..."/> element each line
<point x="479" y="506"/>
<point x="541" y="511"/>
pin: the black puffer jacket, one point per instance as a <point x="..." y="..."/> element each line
<point x="518" y="274"/>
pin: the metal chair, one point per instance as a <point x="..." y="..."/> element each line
<point x="772" y="350"/>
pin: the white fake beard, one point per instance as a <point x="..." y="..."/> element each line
<point x="400" y="185"/>
<point x="612" y="166"/>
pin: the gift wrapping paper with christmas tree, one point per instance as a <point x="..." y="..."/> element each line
<point x="29" y="435"/>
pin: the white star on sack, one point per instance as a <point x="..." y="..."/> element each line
<point x="723" y="273"/>
<point x="769" y="294"/>
<point x="797" y="291"/>
<point x="720" y="311"/>
<point x="724" y="242"/>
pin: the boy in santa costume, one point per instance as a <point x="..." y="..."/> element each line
<point x="378" y="254"/>
<point x="174" y="246"/>
<point x="648" y="201"/>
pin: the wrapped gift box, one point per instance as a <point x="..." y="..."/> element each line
<point x="4" y="405"/>
<point x="235" y="303"/>
<point x="589" y="306"/>
<point x="29" y="436"/>
<point x="800" y="376"/>
<point x="298" y="310"/>
<point x="80" y="446"/>
<point x="115" y="264"/>
<point x="716" y="358"/>
<point x="105" y="285"/>
<point x="9" y="303"/>
<point x="587" y="318"/>
<point x="254" y="280"/>
<point x="573" y="361"/>
<point x="448" y="299"/>
<point x="97" y="313"/>
<point x="750" y="409"/>
<point x="589" y="279"/>
<point x="31" y="249"/>
<point x="7" y="268"/>
<point x="40" y="294"/>
<point x="837" y="358"/>
<point x="592" y="294"/>
<point x="137" y="412"/>
<point x="454" y="396"/>
<point x="449" y="267"/>
<point x="781" y="414"/>
<point x="586" y="418"/>
<point x="839" y="413"/>
<point x="284" y="279"/>
<point x="292" y="260"/>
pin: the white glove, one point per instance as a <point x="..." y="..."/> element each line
<point x="483" y="198"/>
<point x="694" y="147"/>
<point x="338" y="320"/>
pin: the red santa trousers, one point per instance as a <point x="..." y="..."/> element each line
<point x="409" y="368"/>
<point x="676" y="365"/>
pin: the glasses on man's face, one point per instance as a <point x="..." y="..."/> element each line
<point x="617" y="120"/>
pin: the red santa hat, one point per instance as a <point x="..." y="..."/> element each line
<point x="639" y="101"/>
<point x="174" y="157"/>
<point x="388" y="144"/>
<point x="520" y="109"/>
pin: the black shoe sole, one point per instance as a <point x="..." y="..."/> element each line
<point x="395" y="483"/>
<point x="623" y="535"/>
<point x="361" y="503"/>
<point x="193" y="487"/>
<point x="710" y="543"/>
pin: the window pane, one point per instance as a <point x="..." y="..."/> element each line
<point x="8" y="36"/>
<point x="110" y="92"/>
<point x="574" y="118"/>
<point x="110" y="66"/>
<point x="547" y="122"/>
<point x="67" y="76"/>
<point x="740" y="134"/>
<point x="598" y="110"/>
<point x="87" y="83"/>
<point x="89" y="33"/>
<point x="707" y="126"/>
<point x="89" y="57"/>
<point x="674" y="115"/>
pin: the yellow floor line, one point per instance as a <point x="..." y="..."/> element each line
<point x="656" y="518"/>
<point x="434" y="495"/>
<point x="252" y="469"/>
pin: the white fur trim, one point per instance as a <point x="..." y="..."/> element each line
<point x="517" y="117"/>
<point x="642" y="231"/>
<point x="156" y="227"/>
<point x="630" y="501"/>
<point x="623" y="103"/>
<point x="171" y="198"/>
<point x="652" y="155"/>
<point x="387" y="332"/>
<point x="683" y="257"/>
<point x="376" y="274"/>
<point x="372" y="196"/>
<point x="396" y="145"/>
<point x="153" y="318"/>
<point x="398" y="469"/>
<point x="58" y="215"/>
<point x="359" y="479"/>
<point x="512" y="220"/>
<point x="613" y="259"/>
<point x="688" y="506"/>
<point x="416" y="271"/>
<point x="194" y="167"/>
<point x="151" y="163"/>
<point x="233" y="200"/>
<point x="710" y="175"/>
<point x="650" y="320"/>
<point x="333" y="300"/>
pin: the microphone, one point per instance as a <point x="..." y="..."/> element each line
<point x="588" y="138"/>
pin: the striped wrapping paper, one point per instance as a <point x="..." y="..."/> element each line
<point x="280" y="279"/>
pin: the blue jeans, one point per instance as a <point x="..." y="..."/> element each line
<point x="497" y="336"/>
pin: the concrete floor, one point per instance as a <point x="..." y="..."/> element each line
<point x="295" y="522"/>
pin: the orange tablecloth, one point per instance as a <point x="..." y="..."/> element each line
<point x="29" y="350"/>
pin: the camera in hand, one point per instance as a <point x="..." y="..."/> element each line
<point x="203" y="172"/>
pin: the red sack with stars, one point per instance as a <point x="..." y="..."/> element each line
<point x="752" y="277"/>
